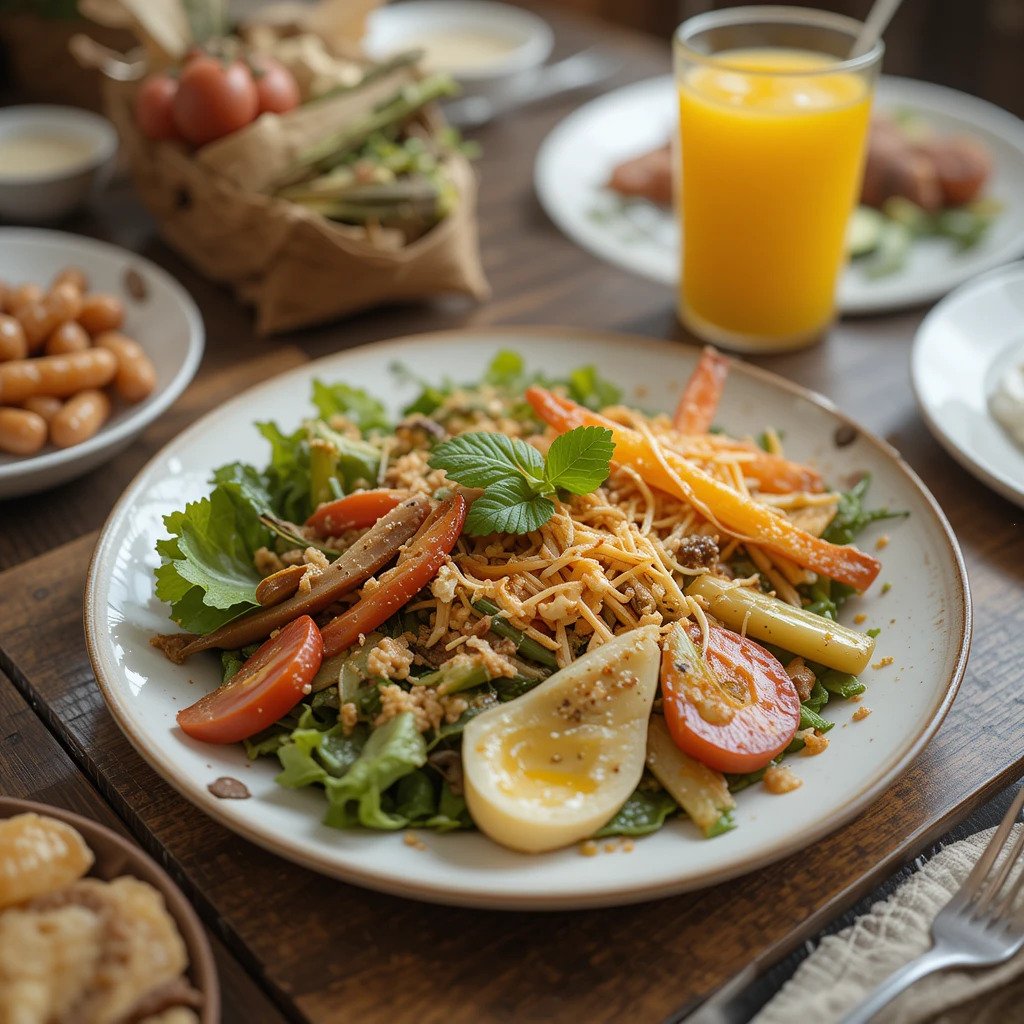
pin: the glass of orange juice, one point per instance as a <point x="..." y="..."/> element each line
<point x="773" y="123"/>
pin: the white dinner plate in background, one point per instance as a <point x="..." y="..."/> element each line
<point x="961" y="351"/>
<point x="924" y="618"/>
<point x="577" y="158"/>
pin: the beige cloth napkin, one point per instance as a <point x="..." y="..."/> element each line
<point x="847" y="966"/>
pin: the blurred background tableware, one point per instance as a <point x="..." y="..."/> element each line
<point x="52" y="159"/>
<point x="577" y="160"/>
<point x="158" y="313"/>
<point x="969" y="348"/>
<point x="115" y="857"/>
<point x="580" y="71"/>
<point x="773" y="126"/>
<point x="488" y="48"/>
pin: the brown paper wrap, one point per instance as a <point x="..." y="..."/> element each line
<point x="296" y="267"/>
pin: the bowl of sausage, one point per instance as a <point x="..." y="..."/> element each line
<point x="95" y="343"/>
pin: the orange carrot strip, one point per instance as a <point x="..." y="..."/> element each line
<point x="696" y="410"/>
<point x="735" y="511"/>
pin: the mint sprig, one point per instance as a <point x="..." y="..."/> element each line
<point x="519" y="483"/>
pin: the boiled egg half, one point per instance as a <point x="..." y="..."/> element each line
<point x="553" y="766"/>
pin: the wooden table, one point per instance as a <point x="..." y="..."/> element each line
<point x="322" y="951"/>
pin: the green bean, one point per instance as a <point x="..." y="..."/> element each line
<point x="842" y="684"/>
<point x="810" y="719"/>
<point x="526" y="646"/>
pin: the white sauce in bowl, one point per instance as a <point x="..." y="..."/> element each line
<point x="454" y="50"/>
<point x="38" y="152"/>
<point x="1007" y="403"/>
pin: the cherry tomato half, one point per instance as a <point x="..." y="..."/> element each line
<point x="214" y="99"/>
<point x="154" y="104"/>
<point x="734" y="711"/>
<point x="266" y="687"/>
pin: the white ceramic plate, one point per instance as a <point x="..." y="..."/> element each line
<point x="576" y="159"/>
<point x="961" y="350"/>
<point x="166" y="322"/>
<point x="925" y="622"/>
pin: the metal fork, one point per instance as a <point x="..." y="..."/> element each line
<point x="978" y="927"/>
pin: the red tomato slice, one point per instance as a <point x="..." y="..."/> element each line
<point x="264" y="689"/>
<point x="736" y="710"/>
<point x="354" y="511"/>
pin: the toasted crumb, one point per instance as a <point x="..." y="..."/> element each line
<point x="589" y="848"/>
<point x="413" y="840"/>
<point x="814" y="742"/>
<point x="611" y="846"/>
<point x="883" y="662"/>
<point x="779" y="779"/>
<point x="860" y="618"/>
<point x="628" y="846"/>
<point x="861" y="713"/>
<point x="882" y="542"/>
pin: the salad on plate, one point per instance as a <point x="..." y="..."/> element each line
<point x="524" y="607"/>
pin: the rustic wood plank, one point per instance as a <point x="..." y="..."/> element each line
<point x="34" y="767"/>
<point x="393" y="960"/>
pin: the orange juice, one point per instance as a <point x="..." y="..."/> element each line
<point x="771" y="158"/>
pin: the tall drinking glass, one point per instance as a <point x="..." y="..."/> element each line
<point x="773" y="123"/>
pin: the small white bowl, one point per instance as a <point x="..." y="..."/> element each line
<point x="39" y="197"/>
<point x="159" y="314"/>
<point x="526" y="40"/>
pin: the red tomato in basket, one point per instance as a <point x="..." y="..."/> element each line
<point x="275" y="85"/>
<point x="214" y="98"/>
<point x="154" y="103"/>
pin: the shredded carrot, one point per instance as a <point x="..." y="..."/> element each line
<point x="699" y="400"/>
<point x="671" y="472"/>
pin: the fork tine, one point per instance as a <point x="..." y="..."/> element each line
<point x="1009" y="898"/>
<point x="976" y="880"/>
<point x="999" y="874"/>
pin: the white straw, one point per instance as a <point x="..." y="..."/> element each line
<point x="874" y="25"/>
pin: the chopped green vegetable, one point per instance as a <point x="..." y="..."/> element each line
<point x="391" y="752"/>
<point x="525" y="645"/>
<point x="841" y="684"/>
<point x="645" y="811"/>
<point x="851" y="517"/>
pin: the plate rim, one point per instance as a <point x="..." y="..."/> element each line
<point x="139" y="417"/>
<point x="1009" y="127"/>
<point x="495" y="899"/>
<point x="977" y="467"/>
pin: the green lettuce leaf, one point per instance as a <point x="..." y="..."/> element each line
<point x="286" y="478"/>
<point x="207" y="576"/>
<point x="645" y="811"/>
<point x="354" y="404"/>
<point x="391" y="752"/>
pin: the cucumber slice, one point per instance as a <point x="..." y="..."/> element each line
<point x="863" y="231"/>
<point x="890" y="254"/>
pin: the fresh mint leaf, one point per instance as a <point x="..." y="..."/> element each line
<point x="354" y="404"/>
<point x="578" y="460"/>
<point x="511" y="506"/>
<point x="482" y="459"/>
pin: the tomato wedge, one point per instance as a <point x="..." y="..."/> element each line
<point x="266" y="687"/>
<point x="354" y="511"/>
<point x="420" y="563"/>
<point x="734" y="711"/>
